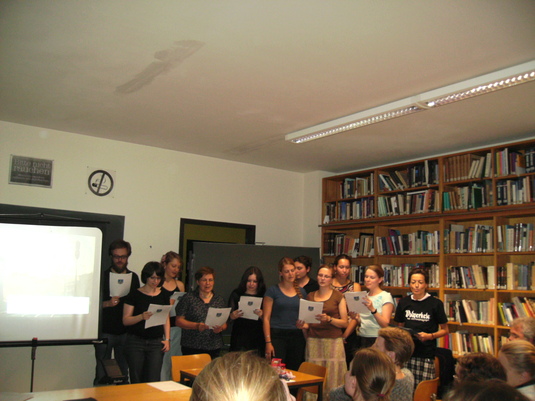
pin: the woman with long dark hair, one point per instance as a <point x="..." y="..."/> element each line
<point x="247" y="334"/>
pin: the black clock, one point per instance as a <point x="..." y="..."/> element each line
<point x="100" y="182"/>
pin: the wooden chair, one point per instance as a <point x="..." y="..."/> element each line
<point x="311" y="369"/>
<point x="179" y="362"/>
<point x="426" y="390"/>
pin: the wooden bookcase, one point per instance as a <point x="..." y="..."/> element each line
<point x="461" y="214"/>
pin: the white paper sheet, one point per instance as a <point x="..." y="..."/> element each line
<point x="120" y="284"/>
<point x="176" y="297"/>
<point x="354" y="301"/>
<point x="308" y="310"/>
<point x="217" y="316"/>
<point x="248" y="305"/>
<point x="169" y="386"/>
<point x="159" y="315"/>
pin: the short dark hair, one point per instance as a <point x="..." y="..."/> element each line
<point x="149" y="269"/>
<point x="479" y="366"/>
<point x="120" y="244"/>
<point x="419" y="271"/>
<point x="305" y="260"/>
<point x="203" y="271"/>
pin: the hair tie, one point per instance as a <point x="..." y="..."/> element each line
<point x="381" y="395"/>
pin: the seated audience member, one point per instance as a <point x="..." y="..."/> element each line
<point x="518" y="360"/>
<point x="478" y="366"/>
<point x="371" y="377"/>
<point x="490" y="390"/>
<point x="523" y="328"/>
<point x="239" y="376"/>
<point x="398" y="345"/>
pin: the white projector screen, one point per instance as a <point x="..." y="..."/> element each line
<point x="49" y="282"/>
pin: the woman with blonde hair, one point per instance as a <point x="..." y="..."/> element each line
<point x="172" y="265"/>
<point x="371" y="376"/>
<point x="518" y="360"/>
<point x="281" y="311"/>
<point x="238" y="376"/>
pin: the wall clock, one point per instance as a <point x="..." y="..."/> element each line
<point x="100" y="182"/>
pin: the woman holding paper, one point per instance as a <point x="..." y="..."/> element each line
<point x="325" y="346"/>
<point x="424" y="315"/>
<point x="145" y="346"/>
<point x="247" y="333"/>
<point x="191" y="313"/>
<point x="172" y="265"/>
<point x="380" y="306"/>
<point x="281" y="311"/>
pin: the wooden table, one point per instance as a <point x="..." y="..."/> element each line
<point x="127" y="392"/>
<point x="301" y="380"/>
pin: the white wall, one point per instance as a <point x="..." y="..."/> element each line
<point x="154" y="189"/>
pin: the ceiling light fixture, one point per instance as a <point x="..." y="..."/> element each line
<point x="481" y="85"/>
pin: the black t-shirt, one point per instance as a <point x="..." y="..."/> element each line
<point x="311" y="286"/>
<point x="420" y="316"/>
<point x="141" y="302"/>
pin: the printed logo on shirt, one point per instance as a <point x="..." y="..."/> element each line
<point x="421" y="317"/>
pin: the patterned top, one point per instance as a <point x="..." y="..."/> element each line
<point x="194" y="309"/>
<point x="349" y="287"/>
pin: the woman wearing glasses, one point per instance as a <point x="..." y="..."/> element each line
<point x="145" y="346"/>
<point x="191" y="312"/>
<point x="325" y="346"/>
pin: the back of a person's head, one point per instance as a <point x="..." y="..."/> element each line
<point x="520" y="355"/>
<point x="374" y="373"/>
<point x="489" y="390"/>
<point x="527" y="326"/>
<point x="399" y="342"/>
<point x="479" y="366"/>
<point x="238" y="376"/>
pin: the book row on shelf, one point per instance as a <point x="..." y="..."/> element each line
<point x="515" y="191"/>
<point x="357" y="186"/>
<point x="463" y="342"/>
<point x="467" y="166"/>
<point x="511" y="276"/>
<point x="510" y="161"/>
<point x="517" y="308"/>
<point x="474" y="195"/>
<point x="398" y="276"/>
<point x="458" y="238"/>
<point x="461" y="310"/>
<point x="517" y="237"/>
<point x="476" y="239"/>
<point x="418" y="175"/>
<point x="405" y="203"/>
<point x="362" y="208"/>
<point x="421" y="242"/>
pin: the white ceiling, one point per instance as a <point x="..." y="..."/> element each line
<point x="229" y="78"/>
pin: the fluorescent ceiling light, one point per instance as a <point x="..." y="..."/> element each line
<point x="481" y="85"/>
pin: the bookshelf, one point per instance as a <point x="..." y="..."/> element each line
<point x="468" y="217"/>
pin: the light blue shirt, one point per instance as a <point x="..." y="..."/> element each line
<point x="369" y="326"/>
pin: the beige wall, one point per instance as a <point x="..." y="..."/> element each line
<point x="154" y="189"/>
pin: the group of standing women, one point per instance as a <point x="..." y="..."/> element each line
<point x="277" y="333"/>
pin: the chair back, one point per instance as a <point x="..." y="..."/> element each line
<point x="179" y="362"/>
<point x="426" y="390"/>
<point x="311" y="369"/>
